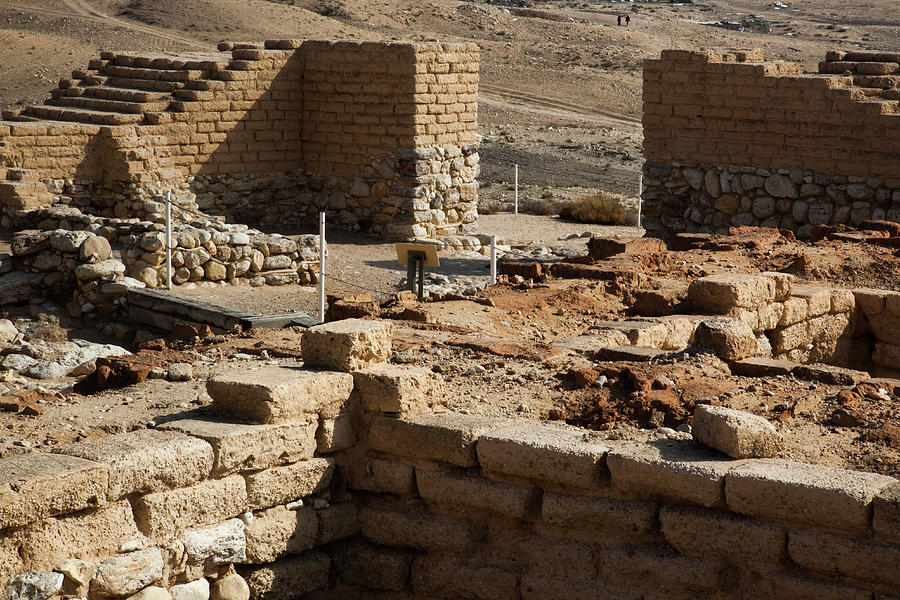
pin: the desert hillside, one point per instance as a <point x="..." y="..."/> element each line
<point x="561" y="81"/>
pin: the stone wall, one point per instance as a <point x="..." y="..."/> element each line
<point x="380" y="135"/>
<point x="352" y="483"/>
<point x="731" y="139"/>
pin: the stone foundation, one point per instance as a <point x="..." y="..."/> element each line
<point x="697" y="197"/>
<point x="303" y="488"/>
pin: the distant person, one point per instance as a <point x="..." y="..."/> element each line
<point x="619" y="19"/>
<point x="627" y="20"/>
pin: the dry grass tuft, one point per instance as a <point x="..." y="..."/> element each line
<point x="602" y="208"/>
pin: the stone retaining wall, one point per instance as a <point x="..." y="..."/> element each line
<point x="352" y="483"/>
<point x="732" y="139"/>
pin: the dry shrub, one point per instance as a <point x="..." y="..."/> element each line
<point x="602" y="208"/>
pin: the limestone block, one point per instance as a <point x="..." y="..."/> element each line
<point x="886" y="517"/>
<point x="372" y="474"/>
<point x="398" y="389"/>
<point x="276" y="532"/>
<point x="788" y="338"/>
<point x="853" y="558"/>
<point x="277" y="394"/>
<point x="723" y="291"/>
<point x="230" y="587"/>
<point x="836" y="499"/>
<point x="10" y="559"/>
<point x="544" y="453"/>
<point x="35" y="585"/>
<point x="146" y="460"/>
<point x="448" y="437"/>
<point x="657" y="569"/>
<point x="152" y="592"/>
<point x="784" y="283"/>
<point x="870" y="301"/>
<point x="730" y="340"/>
<point x="710" y="533"/>
<point x="239" y="447"/>
<point x="194" y="590"/>
<point x="280" y="485"/>
<point x="818" y="299"/>
<point x="605" y="518"/>
<point x="541" y="588"/>
<point x="334" y="435"/>
<point x="163" y="515"/>
<point x="337" y="522"/>
<point x="768" y="316"/>
<point x="673" y="469"/>
<point x="795" y="311"/>
<point x="737" y="433"/>
<point x="463" y="492"/>
<point x="442" y="579"/>
<point x="788" y="584"/>
<point x="85" y="535"/>
<point x="360" y="563"/>
<point x="288" y="578"/>
<point x="38" y="485"/>
<point x="886" y="355"/>
<point x="410" y="526"/>
<point x="842" y="300"/>
<point x="347" y="345"/>
<point x="222" y="544"/>
<point x="127" y="574"/>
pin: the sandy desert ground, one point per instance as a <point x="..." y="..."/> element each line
<point x="560" y="81"/>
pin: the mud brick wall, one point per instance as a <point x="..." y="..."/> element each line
<point x="351" y="483"/>
<point x="380" y="135"/>
<point x="730" y="139"/>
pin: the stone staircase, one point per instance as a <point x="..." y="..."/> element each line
<point x="875" y="76"/>
<point x="127" y="89"/>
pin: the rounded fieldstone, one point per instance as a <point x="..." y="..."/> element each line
<point x="763" y="207"/>
<point x="148" y="276"/>
<point x="820" y="213"/>
<point x="94" y="249"/>
<point x="781" y="186"/>
<point x="800" y="211"/>
<point x="34" y="586"/>
<point x="214" y="271"/>
<point x="180" y="372"/>
<point x="230" y="587"/>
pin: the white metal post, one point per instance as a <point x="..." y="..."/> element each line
<point x="516" y="209"/>
<point x="640" y="200"/>
<point x="493" y="260"/>
<point x="169" y="239"/>
<point x="322" y="267"/>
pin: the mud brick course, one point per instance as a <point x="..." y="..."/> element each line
<point x="732" y="139"/>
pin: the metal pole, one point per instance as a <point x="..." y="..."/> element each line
<point x="169" y="239"/>
<point x="322" y="267"/>
<point x="640" y="200"/>
<point x="516" y="209"/>
<point x="493" y="260"/>
<point x="421" y="264"/>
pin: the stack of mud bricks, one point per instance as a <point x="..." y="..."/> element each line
<point x="364" y="100"/>
<point x="733" y="108"/>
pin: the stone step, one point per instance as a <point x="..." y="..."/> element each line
<point x="114" y="106"/>
<point x="122" y="94"/>
<point x="82" y="115"/>
<point x="168" y="63"/>
<point x="877" y="81"/>
<point x="864" y="56"/>
<point x="153" y="74"/>
<point x="861" y="68"/>
<point x="149" y="85"/>
<point x="205" y="85"/>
